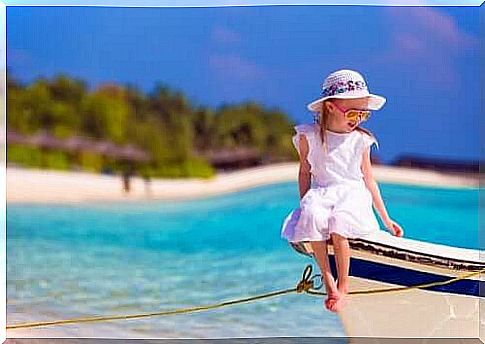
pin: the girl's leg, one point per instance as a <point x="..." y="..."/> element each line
<point x="321" y="254"/>
<point x="342" y="259"/>
<point x="334" y="254"/>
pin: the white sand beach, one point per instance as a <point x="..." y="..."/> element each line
<point x="47" y="186"/>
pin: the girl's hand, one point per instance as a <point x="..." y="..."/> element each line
<point x="394" y="228"/>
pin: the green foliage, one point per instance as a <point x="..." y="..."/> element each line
<point x="24" y="155"/>
<point x="63" y="88"/>
<point x="34" y="157"/>
<point x="198" y="167"/>
<point x="154" y="137"/>
<point x="91" y="162"/>
<point x="192" y="167"/>
<point x="163" y="123"/>
<point x="55" y="160"/>
<point x="203" y="123"/>
<point x="168" y="171"/>
<point x="105" y="117"/>
<point x="240" y="125"/>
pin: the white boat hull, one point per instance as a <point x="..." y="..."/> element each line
<point x="409" y="313"/>
<point x="444" y="311"/>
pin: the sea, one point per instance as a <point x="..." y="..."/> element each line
<point x="101" y="259"/>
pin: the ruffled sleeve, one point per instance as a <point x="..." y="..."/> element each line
<point x="303" y="129"/>
<point x="369" y="141"/>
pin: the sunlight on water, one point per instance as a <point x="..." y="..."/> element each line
<point x="104" y="259"/>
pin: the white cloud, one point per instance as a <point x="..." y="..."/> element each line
<point x="235" y="66"/>
<point x="221" y="34"/>
<point x="427" y="40"/>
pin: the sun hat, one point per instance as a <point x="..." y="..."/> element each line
<point x="346" y="84"/>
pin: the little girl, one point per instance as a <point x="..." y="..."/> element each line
<point x="335" y="155"/>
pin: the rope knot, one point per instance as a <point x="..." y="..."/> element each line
<point x="306" y="282"/>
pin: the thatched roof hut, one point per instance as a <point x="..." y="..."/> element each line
<point x="130" y="152"/>
<point x="233" y="158"/>
<point x="43" y="139"/>
<point x="106" y="148"/>
<point x="78" y="143"/>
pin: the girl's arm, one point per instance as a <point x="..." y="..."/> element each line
<point x="304" y="175"/>
<point x="371" y="184"/>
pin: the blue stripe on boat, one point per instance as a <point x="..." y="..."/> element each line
<point x="408" y="277"/>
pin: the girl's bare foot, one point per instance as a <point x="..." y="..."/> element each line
<point x="332" y="294"/>
<point x="331" y="299"/>
<point x="342" y="300"/>
<point x="340" y="303"/>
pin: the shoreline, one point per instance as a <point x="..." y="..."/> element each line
<point x="49" y="186"/>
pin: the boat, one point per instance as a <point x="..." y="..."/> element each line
<point x="381" y="260"/>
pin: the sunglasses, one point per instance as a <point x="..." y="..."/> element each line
<point x="354" y="114"/>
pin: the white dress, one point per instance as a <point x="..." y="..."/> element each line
<point x="338" y="200"/>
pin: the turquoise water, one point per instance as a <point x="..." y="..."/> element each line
<point x="67" y="261"/>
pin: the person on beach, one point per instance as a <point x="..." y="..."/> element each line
<point x="335" y="155"/>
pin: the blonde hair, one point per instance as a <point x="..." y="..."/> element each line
<point x="322" y="121"/>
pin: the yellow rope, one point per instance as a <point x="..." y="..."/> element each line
<point x="407" y="288"/>
<point x="306" y="284"/>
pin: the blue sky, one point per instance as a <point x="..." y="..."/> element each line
<point x="424" y="60"/>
